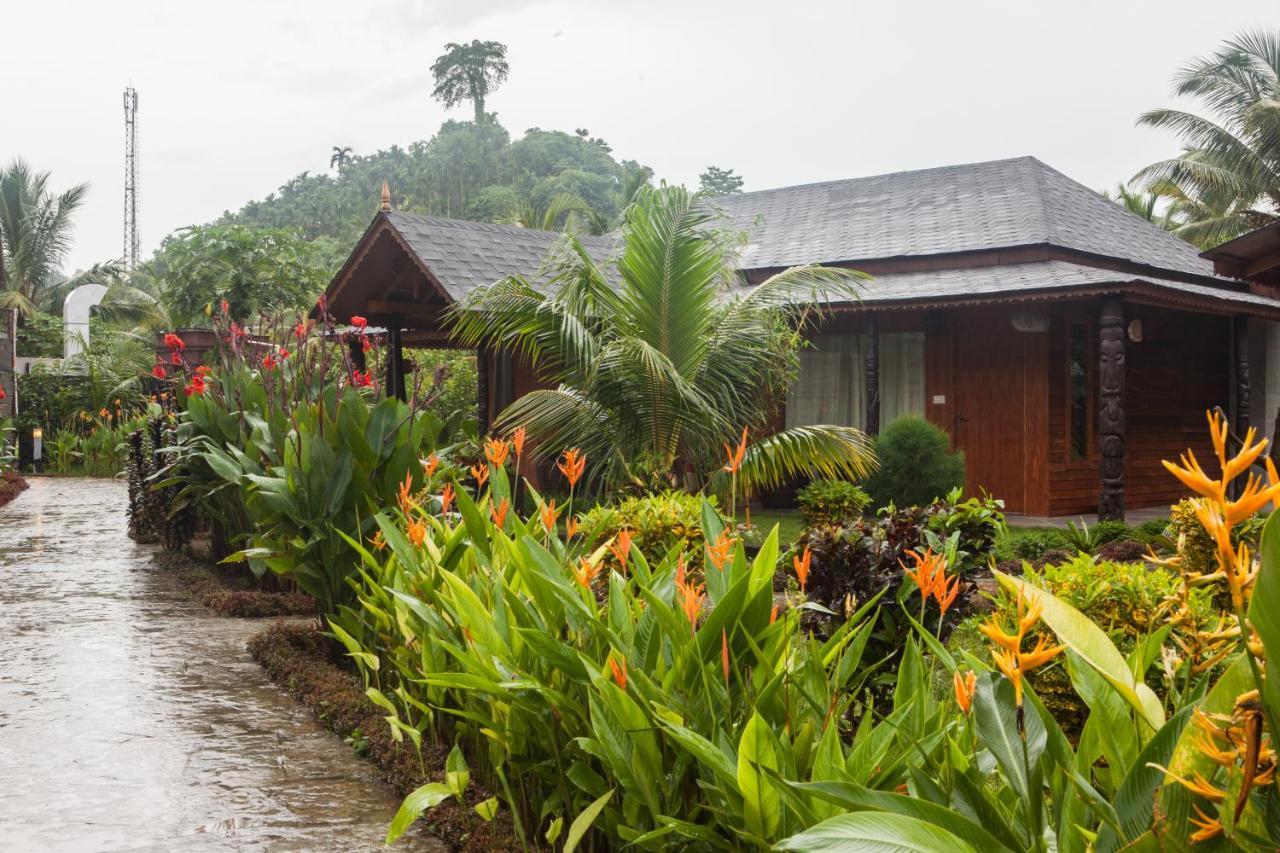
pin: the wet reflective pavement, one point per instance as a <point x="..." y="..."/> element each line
<point x="131" y="719"/>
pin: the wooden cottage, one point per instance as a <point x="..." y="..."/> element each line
<point x="1065" y="344"/>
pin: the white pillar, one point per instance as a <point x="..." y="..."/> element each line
<point x="75" y="318"/>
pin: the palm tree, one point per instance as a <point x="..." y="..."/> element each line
<point x="560" y="212"/>
<point x="469" y="72"/>
<point x="657" y="372"/>
<point x="35" y="235"/>
<point x="1152" y="204"/>
<point x="1228" y="174"/>
<point x="340" y="157"/>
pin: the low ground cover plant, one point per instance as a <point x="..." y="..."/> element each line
<point x="831" y="502"/>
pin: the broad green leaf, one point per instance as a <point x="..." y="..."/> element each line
<point x="583" y="822"/>
<point x="876" y="832"/>
<point x="995" y="715"/>
<point x="1135" y="799"/>
<point x="429" y="795"/>
<point x="760" y="801"/>
<point x="1264" y="607"/>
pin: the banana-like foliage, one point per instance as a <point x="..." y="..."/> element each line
<point x="663" y="354"/>
<point x="1227" y="180"/>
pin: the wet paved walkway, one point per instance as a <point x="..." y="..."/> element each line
<point x="133" y="720"/>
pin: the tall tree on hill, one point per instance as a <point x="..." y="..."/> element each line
<point x="340" y="157"/>
<point x="716" y="181"/>
<point x="1228" y="174"/>
<point x="469" y="72"/>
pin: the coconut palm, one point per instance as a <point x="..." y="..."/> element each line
<point x="469" y="72"/>
<point x="1229" y="171"/>
<point x="662" y="355"/>
<point x="35" y="236"/>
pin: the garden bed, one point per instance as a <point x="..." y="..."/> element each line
<point x="11" y="485"/>
<point x="301" y="660"/>
<point x="228" y="592"/>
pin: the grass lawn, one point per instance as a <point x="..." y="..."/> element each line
<point x="789" y="522"/>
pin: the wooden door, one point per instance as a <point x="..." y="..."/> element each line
<point x="990" y="404"/>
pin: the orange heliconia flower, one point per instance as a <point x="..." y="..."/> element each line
<point x="378" y="542"/>
<point x="585" y="573"/>
<point x="446" y="498"/>
<point x="572" y="463"/>
<point x="517" y="440"/>
<point x="417" y="531"/>
<point x="548" y="513"/>
<point x="692" y="597"/>
<point x="499" y="513"/>
<point x="1009" y="657"/>
<point x="619" y="672"/>
<point x="481" y="473"/>
<point x="719" y="552"/>
<point x="496" y="450"/>
<point x="929" y="567"/>
<point x="405" y="494"/>
<point x="571" y="527"/>
<point x="621" y="548"/>
<point x="735" y="455"/>
<point x="680" y="570"/>
<point x="724" y="655"/>
<point x="773" y="614"/>
<point x="1206" y="827"/>
<point x="801" y="565"/>
<point x="430" y="464"/>
<point x="945" y="590"/>
<point x="965" y="687"/>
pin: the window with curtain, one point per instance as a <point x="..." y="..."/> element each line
<point x="830" y="387"/>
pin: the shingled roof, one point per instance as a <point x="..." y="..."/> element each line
<point x="971" y="207"/>
<point x="462" y="255"/>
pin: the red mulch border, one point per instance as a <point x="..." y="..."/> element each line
<point x="301" y="660"/>
<point x="11" y="485"/>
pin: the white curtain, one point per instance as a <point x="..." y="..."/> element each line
<point x="829" y="389"/>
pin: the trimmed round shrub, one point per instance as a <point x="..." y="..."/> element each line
<point x="916" y="464"/>
<point x="831" y="502"/>
<point x="657" y="523"/>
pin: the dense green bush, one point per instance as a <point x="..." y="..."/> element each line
<point x="1196" y="546"/>
<point x="657" y="523"/>
<point x="831" y="502"/>
<point x="916" y="464"/>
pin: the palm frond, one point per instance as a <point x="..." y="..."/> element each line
<point x="831" y="452"/>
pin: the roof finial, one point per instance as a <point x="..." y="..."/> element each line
<point x="386" y="196"/>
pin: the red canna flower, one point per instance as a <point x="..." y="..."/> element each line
<point x="222" y="304"/>
<point x="572" y="463"/>
<point x="2" y="394"/>
<point x="362" y="380"/>
<point x="300" y="330"/>
<point x="269" y="362"/>
<point x="496" y="451"/>
<point x="197" y="386"/>
<point x="359" y="322"/>
<point x="619" y="672"/>
<point x="481" y="473"/>
<point x="801" y="565"/>
<point x="283" y="353"/>
<point x="621" y="548"/>
<point x="204" y="370"/>
<point x="174" y="342"/>
<point x="175" y="358"/>
<point x="157" y="371"/>
<point x="500" y="513"/>
<point x="366" y="344"/>
<point x="735" y="456"/>
<point x="446" y="497"/>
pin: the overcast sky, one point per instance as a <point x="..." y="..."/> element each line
<point x="236" y="97"/>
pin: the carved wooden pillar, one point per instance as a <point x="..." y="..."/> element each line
<point x="1243" y="388"/>
<point x="871" y="383"/>
<point x="1111" y="418"/>
<point x="482" y="388"/>
<point x="395" y="362"/>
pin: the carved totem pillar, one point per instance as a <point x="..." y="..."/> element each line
<point x="871" y="381"/>
<point x="395" y="363"/>
<point x="1111" y="419"/>
<point x="1243" y="386"/>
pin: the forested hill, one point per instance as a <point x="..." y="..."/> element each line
<point x="468" y="170"/>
